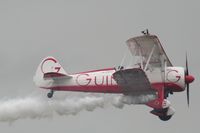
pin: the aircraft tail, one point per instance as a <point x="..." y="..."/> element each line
<point x="49" y="69"/>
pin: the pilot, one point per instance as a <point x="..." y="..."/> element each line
<point x="145" y="32"/>
<point x="120" y="67"/>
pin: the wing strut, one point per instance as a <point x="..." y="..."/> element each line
<point x="149" y="57"/>
<point x="140" y="54"/>
<point x="140" y="51"/>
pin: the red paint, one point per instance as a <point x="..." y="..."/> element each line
<point x="157" y="103"/>
<point x="58" y="69"/>
<point x="95" y="81"/>
<point x="175" y="87"/>
<point x="97" y="89"/>
<point x="99" y="70"/>
<point x="87" y="79"/>
<point x="189" y="79"/>
<point x="159" y="87"/>
<point x="49" y="59"/>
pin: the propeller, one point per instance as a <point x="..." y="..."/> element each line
<point x="187" y="84"/>
<point x="188" y="79"/>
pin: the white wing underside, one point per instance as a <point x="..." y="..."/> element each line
<point x="149" y="52"/>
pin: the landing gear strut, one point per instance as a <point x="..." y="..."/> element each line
<point x="50" y="94"/>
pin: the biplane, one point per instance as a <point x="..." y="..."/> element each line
<point x="151" y="74"/>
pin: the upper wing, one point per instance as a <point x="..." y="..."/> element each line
<point x="149" y="49"/>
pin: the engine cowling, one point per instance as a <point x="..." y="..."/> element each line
<point x="175" y="78"/>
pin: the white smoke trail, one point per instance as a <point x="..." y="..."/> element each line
<point x="35" y="107"/>
<point x="120" y="101"/>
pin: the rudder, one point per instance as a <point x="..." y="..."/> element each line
<point x="49" y="68"/>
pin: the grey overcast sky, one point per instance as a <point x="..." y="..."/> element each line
<point x="91" y="34"/>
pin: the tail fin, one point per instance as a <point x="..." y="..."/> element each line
<point x="49" y="68"/>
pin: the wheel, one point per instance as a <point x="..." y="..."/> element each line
<point x="165" y="117"/>
<point x="49" y="95"/>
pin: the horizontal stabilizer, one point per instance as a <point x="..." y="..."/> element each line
<point x="55" y="75"/>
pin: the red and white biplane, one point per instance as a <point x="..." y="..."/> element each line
<point x="152" y="73"/>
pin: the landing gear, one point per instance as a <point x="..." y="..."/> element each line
<point x="164" y="114"/>
<point x="50" y="94"/>
<point x="165" y="117"/>
<point x="167" y="92"/>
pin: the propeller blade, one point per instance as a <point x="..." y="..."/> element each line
<point x="187" y="84"/>
<point x="188" y="94"/>
<point x="186" y="65"/>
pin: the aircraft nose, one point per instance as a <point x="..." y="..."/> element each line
<point x="189" y="79"/>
